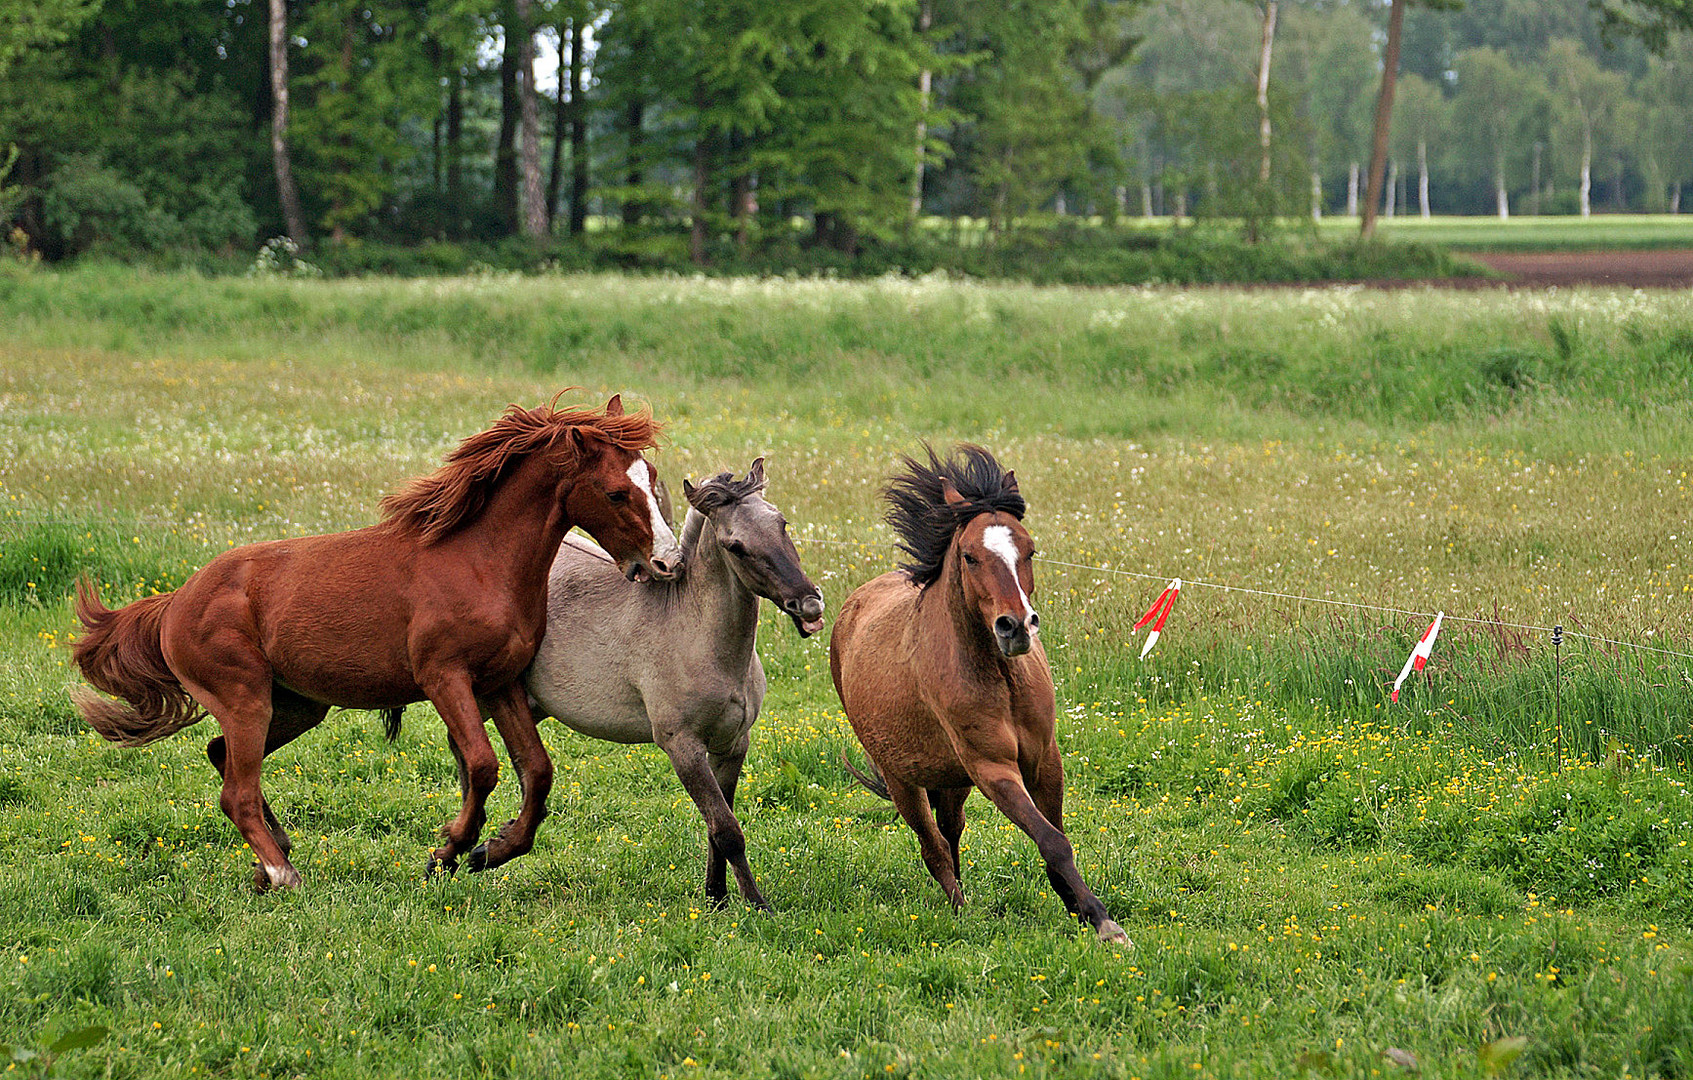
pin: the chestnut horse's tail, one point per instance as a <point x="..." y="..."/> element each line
<point x="119" y="652"/>
<point x="873" y="782"/>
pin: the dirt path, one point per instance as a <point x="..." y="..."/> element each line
<point x="1639" y="269"/>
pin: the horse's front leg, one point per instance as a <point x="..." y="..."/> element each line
<point x="479" y="769"/>
<point x="700" y="776"/>
<point x="999" y="779"/>
<point x="528" y="754"/>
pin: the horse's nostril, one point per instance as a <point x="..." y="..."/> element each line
<point x="661" y="565"/>
<point x="1034" y="621"/>
<point x="1005" y="626"/>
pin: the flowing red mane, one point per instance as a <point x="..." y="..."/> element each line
<point x="432" y="506"/>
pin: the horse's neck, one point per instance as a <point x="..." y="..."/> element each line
<point x="522" y="525"/>
<point x="943" y="617"/>
<point x="722" y="610"/>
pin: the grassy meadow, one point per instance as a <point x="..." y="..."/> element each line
<point x="1488" y="878"/>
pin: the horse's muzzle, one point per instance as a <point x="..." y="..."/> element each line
<point x="653" y="569"/>
<point x="1015" y="637"/>
<point x="807" y="613"/>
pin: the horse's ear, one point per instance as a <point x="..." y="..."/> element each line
<point x="755" y="474"/>
<point x="578" y="444"/>
<point x="614" y="407"/>
<point x="687" y="490"/>
<point x="1009" y="484"/>
<point x="951" y="495"/>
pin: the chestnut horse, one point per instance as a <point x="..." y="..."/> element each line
<point x="445" y="599"/>
<point x="941" y="672"/>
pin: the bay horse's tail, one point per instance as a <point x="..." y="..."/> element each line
<point x="873" y="782"/>
<point x="119" y="652"/>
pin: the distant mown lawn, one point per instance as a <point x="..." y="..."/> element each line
<point x="1525" y="232"/>
<point x="1312" y="876"/>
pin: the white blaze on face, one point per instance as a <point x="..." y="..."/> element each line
<point x="663" y="539"/>
<point x="997" y="539"/>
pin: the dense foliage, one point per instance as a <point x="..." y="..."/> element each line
<point x="756" y="131"/>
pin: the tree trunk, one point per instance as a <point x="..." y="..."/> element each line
<point x="697" y="234"/>
<point x="1586" y="172"/>
<point x="634" y="121"/>
<point x="1352" y="190"/>
<point x="455" y="148"/>
<point x="505" y="145"/>
<point x="1316" y="195"/>
<point x="1392" y="187"/>
<point x="561" y="131"/>
<point x="1266" y="43"/>
<point x="578" y="129"/>
<point x="1501" y="197"/>
<point x="1422" y="177"/>
<point x="1145" y="199"/>
<point x="533" y="205"/>
<point x="925" y="19"/>
<point x="1675" y="198"/>
<point x="1384" y="116"/>
<point x="1534" y="178"/>
<point x="286" y="193"/>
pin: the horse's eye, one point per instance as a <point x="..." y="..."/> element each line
<point x="969" y="559"/>
<point x="736" y="548"/>
<point x="617" y="497"/>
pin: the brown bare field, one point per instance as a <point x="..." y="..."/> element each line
<point x="1637" y="269"/>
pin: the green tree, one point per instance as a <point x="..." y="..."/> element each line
<point x="1422" y="117"/>
<point x="1494" y="109"/>
<point x="26" y="25"/>
<point x="1588" y="110"/>
<point x="359" y="80"/>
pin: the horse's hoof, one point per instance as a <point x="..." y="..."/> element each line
<point x="1112" y="934"/>
<point x="478" y="861"/>
<point x="436" y="864"/>
<point x="266" y="878"/>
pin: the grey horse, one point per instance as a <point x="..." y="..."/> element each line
<point x="673" y="663"/>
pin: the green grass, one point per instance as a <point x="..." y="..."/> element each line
<point x="1311" y="876"/>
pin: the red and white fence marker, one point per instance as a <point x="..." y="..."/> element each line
<point x="1156" y="615"/>
<point x="1419" y="655"/>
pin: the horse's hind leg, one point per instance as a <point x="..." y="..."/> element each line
<point x="692" y="762"/>
<point x="290" y="717"/>
<point x="948" y="804"/>
<point x="913" y="805"/>
<point x="241" y="703"/>
<point x="517" y="729"/>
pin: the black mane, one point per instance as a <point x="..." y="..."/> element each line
<point x="926" y="522"/>
<point x="724" y="490"/>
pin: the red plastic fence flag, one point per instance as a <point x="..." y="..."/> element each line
<point x="1156" y="615"/>
<point x="1419" y="655"/>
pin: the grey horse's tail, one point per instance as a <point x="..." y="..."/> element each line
<point x="874" y="782"/>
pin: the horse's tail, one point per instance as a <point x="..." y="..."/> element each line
<point x="873" y="782"/>
<point x="119" y="652"/>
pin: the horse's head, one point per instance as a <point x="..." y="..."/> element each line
<point x="612" y="497"/>
<point x="996" y="572"/>
<point x="753" y="536"/>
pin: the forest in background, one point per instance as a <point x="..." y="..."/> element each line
<point x="701" y="132"/>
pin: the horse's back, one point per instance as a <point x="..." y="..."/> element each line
<point x="323" y="614"/>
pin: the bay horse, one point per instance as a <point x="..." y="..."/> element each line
<point x="444" y="599"/>
<point x="940" y="669"/>
<point x="675" y="664"/>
